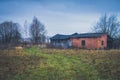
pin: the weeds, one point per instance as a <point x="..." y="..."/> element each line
<point x="54" y="64"/>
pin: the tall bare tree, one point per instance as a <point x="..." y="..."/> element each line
<point x="37" y="31"/>
<point x="26" y="29"/>
<point x="9" y="32"/>
<point x="108" y="24"/>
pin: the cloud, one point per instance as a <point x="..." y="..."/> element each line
<point x="67" y="23"/>
<point x="59" y="16"/>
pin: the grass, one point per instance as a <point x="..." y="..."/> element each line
<point x="54" y="64"/>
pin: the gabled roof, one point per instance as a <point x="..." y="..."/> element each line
<point x="76" y="35"/>
<point x="88" y="35"/>
<point x="60" y="37"/>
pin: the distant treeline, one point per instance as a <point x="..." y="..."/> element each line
<point x="10" y="32"/>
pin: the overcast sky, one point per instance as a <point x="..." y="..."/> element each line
<point x="59" y="16"/>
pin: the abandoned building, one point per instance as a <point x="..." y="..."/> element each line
<point x="83" y="41"/>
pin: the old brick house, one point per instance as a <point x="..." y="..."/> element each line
<point x="83" y="41"/>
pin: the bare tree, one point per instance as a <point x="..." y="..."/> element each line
<point x="9" y="32"/>
<point x="25" y="28"/>
<point x="37" y="31"/>
<point x="108" y="24"/>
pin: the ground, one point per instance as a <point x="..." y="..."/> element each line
<point x="59" y="64"/>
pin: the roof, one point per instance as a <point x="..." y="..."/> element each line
<point x="75" y="35"/>
<point x="88" y="35"/>
<point x="60" y="37"/>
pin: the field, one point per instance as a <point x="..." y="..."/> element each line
<point x="59" y="64"/>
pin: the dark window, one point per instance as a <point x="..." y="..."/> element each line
<point x="102" y="42"/>
<point x="83" y="42"/>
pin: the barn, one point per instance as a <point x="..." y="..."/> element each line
<point x="83" y="41"/>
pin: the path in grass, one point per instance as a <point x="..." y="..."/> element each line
<point x="36" y="64"/>
<point x="55" y="64"/>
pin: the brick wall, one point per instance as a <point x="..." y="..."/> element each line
<point x="90" y="43"/>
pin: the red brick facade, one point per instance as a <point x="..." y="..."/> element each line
<point x="90" y="43"/>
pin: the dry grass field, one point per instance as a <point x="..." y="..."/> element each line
<point x="59" y="64"/>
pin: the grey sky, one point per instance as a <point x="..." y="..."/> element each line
<point x="59" y="16"/>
